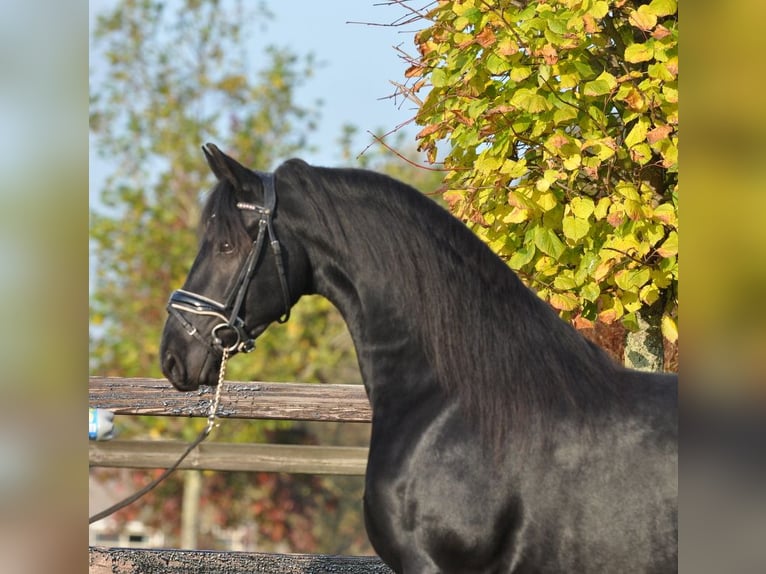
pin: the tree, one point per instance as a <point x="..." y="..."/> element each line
<point x="167" y="77"/>
<point x="175" y="75"/>
<point x="557" y="121"/>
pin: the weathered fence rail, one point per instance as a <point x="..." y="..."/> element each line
<point x="297" y="459"/>
<point x="138" y="561"/>
<point x="288" y="401"/>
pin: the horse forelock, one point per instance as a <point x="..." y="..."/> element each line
<point x="221" y="220"/>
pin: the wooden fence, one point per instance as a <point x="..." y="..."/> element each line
<point x="287" y="401"/>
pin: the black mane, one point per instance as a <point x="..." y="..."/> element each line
<point x="492" y="341"/>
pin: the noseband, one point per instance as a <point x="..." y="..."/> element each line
<point x="182" y="301"/>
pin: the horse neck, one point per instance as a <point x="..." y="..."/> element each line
<point x="388" y="342"/>
<point x="370" y="263"/>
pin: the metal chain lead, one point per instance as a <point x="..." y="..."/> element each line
<point x="217" y="399"/>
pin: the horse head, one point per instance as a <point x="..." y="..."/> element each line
<point x="248" y="273"/>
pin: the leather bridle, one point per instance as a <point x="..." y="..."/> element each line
<point x="182" y="301"/>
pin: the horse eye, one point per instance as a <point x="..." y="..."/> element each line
<point x="225" y="247"/>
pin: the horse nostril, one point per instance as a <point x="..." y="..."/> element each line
<point x="173" y="369"/>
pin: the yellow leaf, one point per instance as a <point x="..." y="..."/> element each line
<point x="546" y="201"/>
<point x="649" y="294"/>
<point x="602" y="208"/>
<point x="599" y="9"/>
<point x="520" y="73"/>
<point x="638" y="52"/>
<point x="637" y="133"/>
<point x="643" y="18"/>
<point x="517" y="215"/>
<point x="666" y="213"/>
<point x="564" y="301"/>
<point x="582" y="207"/>
<point x="574" y="228"/>
<point x="669" y="328"/>
<point x="573" y="162"/>
<point x="669" y="247"/>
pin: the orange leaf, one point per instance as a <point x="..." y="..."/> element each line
<point x="581" y="322"/>
<point x="550" y="55"/>
<point x="660" y="32"/>
<point x="501" y="109"/>
<point x="462" y="118"/>
<point x="658" y="133"/>
<point x="608" y="316"/>
<point x="635" y="100"/>
<point x="589" y="23"/>
<point x="486" y="38"/>
<point x="428" y="130"/>
<point x="413" y="71"/>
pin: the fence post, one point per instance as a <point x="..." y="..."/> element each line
<point x="190" y="508"/>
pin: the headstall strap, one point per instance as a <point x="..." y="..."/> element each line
<point x="186" y="301"/>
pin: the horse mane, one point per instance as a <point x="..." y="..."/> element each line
<point x="493" y="343"/>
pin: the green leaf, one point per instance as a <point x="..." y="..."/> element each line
<point x="487" y="161"/>
<point x="496" y="65"/>
<point x="514" y="169"/>
<point x="547" y="242"/>
<point x="638" y="133"/>
<point x="596" y="88"/>
<point x="522" y="257"/>
<point x="530" y="101"/>
<point x="599" y="9"/>
<point x="649" y="294"/>
<point x="438" y="77"/>
<point x="631" y="279"/>
<point x="590" y="292"/>
<point x="565" y="281"/>
<point x="660" y="71"/>
<point x="575" y="228"/>
<point x="564" y="114"/>
<point x="662" y="8"/>
<point x="630" y="322"/>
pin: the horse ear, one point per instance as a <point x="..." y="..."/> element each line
<point x="225" y="167"/>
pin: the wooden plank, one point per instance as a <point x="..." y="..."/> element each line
<point x="256" y="400"/>
<point x="230" y="456"/>
<point x="139" y="561"/>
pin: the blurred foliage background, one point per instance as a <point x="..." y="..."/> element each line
<point x="178" y="75"/>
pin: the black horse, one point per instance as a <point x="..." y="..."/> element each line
<point x="502" y="440"/>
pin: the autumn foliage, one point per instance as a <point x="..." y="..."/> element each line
<point x="557" y="124"/>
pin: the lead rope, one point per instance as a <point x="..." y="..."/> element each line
<point x="202" y="436"/>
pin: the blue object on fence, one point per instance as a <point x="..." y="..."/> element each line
<point x="100" y="424"/>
